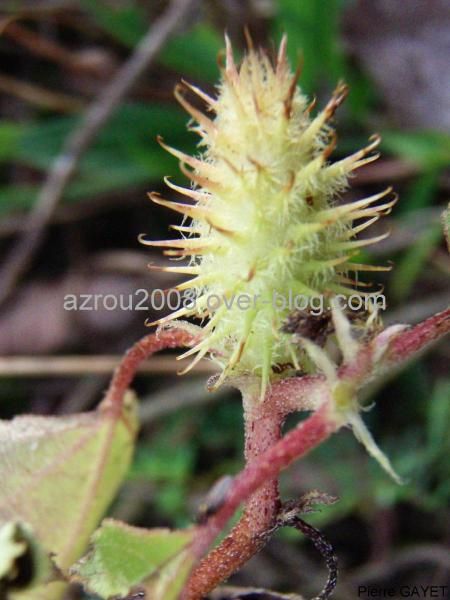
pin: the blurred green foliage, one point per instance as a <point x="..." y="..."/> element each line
<point x="313" y="34"/>
<point x="195" y="53"/>
<point x="174" y="460"/>
<point x="125" y="154"/>
<point x="315" y="41"/>
<point x="125" y="22"/>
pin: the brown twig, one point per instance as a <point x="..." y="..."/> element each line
<point x="49" y="49"/>
<point x="69" y="213"/>
<point x="33" y="8"/>
<point x="185" y="394"/>
<point x="98" y="113"/>
<point x="40" y="96"/>
<point x="68" y="366"/>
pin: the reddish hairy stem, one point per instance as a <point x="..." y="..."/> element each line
<point x="263" y="423"/>
<point x="401" y="346"/>
<point x="126" y="370"/>
<point x="288" y="395"/>
<point x="298" y="442"/>
<point x="411" y="341"/>
<point x="267" y="458"/>
<point x="265" y="467"/>
<point x="297" y="393"/>
<point x="266" y="453"/>
<point x="262" y="430"/>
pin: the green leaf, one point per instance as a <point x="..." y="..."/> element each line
<point x="438" y="420"/>
<point x="23" y="561"/>
<point x="159" y="462"/>
<point x="169" y="582"/>
<point x="313" y="31"/>
<point x="125" y="154"/>
<point x="122" y="556"/>
<point x="412" y="262"/>
<point x="420" y="193"/>
<point x="9" y="137"/>
<point x="17" y="197"/>
<point x="194" y="53"/>
<point x="125" y="22"/>
<point x="132" y="125"/>
<point x="429" y="149"/>
<point x="61" y="474"/>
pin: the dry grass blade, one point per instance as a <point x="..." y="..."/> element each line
<point x="60" y="366"/>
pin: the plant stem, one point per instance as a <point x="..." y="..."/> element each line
<point x="263" y="422"/>
<point x="267" y="455"/>
<point x="410" y="342"/>
<point x="262" y="430"/>
<point x="126" y="370"/>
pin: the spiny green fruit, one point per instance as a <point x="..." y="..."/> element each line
<point x="264" y="221"/>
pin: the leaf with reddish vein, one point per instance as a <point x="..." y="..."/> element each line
<point x="60" y="475"/>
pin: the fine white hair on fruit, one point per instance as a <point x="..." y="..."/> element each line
<point x="262" y="221"/>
